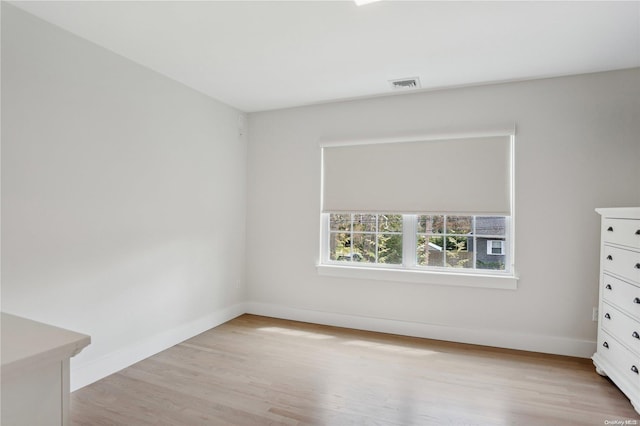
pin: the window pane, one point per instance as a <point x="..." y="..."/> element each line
<point x="364" y="247"/>
<point x="431" y="224"/>
<point x="339" y="246"/>
<point x="459" y="252"/>
<point x="340" y="222"/>
<point x="390" y="223"/>
<point x="390" y="248"/>
<point x="430" y="251"/>
<point x="459" y="224"/>
<point x="491" y="225"/>
<point x="364" y="222"/>
<point x="491" y="253"/>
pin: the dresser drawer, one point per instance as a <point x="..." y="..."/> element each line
<point x="621" y="294"/>
<point x="625" y="362"/>
<point x="625" y="263"/>
<point x="622" y="327"/>
<point x="621" y="231"/>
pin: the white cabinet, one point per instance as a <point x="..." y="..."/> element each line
<point x="35" y="371"/>
<point x="618" y="353"/>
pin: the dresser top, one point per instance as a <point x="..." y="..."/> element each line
<point x="620" y="212"/>
<point x="27" y="343"/>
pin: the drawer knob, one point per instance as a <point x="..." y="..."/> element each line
<point x="634" y="369"/>
<point x="609" y="257"/>
<point x="607" y="316"/>
<point x="606" y="345"/>
<point x="608" y="287"/>
<point x="635" y="334"/>
<point x="637" y="266"/>
<point x="636" y="300"/>
<point x="638" y="232"/>
<point x="610" y="229"/>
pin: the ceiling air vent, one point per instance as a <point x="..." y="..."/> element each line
<point x="405" y="83"/>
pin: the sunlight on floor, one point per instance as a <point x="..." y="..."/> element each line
<point x="404" y="350"/>
<point x="390" y="348"/>
<point x="297" y="333"/>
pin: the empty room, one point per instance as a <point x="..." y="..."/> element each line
<point x="320" y="213"/>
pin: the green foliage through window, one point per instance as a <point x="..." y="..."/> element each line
<point x="367" y="238"/>
<point x="441" y="241"/>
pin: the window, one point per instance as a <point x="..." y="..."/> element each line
<point x="418" y="242"/>
<point x="495" y="247"/>
<point x="420" y="207"/>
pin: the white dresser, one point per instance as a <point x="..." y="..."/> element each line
<point x="35" y="371"/>
<point x="618" y="352"/>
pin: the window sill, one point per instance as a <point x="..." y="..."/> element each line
<point x="504" y="282"/>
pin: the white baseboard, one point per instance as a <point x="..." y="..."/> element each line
<point x="94" y="370"/>
<point x="501" y="339"/>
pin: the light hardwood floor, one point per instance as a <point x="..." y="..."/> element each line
<point x="262" y="371"/>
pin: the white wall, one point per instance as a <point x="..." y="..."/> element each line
<point x="577" y="148"/>
<point x="123" y="198"/>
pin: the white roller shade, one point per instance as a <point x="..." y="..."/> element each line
<point x="464" y="175"/>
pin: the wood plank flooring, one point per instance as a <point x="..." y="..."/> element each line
<point x="262" y="371"/>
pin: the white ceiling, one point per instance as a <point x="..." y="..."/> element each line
<point x="267" y="54"/>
